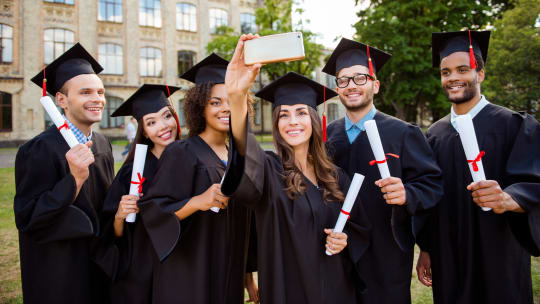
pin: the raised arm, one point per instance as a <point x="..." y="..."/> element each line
<point x="238" y="80"/>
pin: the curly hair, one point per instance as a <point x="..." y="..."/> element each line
<point x="194" y="103"/>
<point x="325" y="170"/>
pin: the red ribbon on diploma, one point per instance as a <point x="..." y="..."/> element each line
<point x="346" y="213"/>
<point x="140" y="182"/>
<point x="477" y="159"/>
<point x="373" y="162"/>
<point x="65" y="125"/>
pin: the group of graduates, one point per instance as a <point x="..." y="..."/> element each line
<point x="277" y="209"/>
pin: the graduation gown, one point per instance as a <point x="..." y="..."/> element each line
<point x="127" y="260"/>
<point x="56" y="228"/>
<point x="478" y="256"/>
<point x="292" y="264"/>
<point x="202" y="257"/>
<point x="387" y="263"/>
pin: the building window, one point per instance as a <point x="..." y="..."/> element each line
<point x="60" y="1"/>
<point x="332" y="112"/>
<point x="5" y="112"/>
<point x="111" y="122"/>
<point x="218" y="17"/>
<point x="258" y="113"/>
<point x="186" y="17"/>
<point x="111" y="59"/>
<point x="185" y="61"/>
<point x="180" y="113"/>
<point x="150" y="63"/>
<point x="247" y="23"/>
<point x="6" y="43"/>
<point x="330" y="81"/>
<point x="150" y="13"/>
<point x="55" y="42"/>
<point x="110" y="10"/>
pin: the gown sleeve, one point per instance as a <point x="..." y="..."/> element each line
<point x="245" y="178"/>
<point x="44" y="196"/>
<point x="523" y="176"/>
<point x="170" y="189"/>
<point x="112" y="253"/>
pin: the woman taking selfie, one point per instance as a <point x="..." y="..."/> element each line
<point x="126" y="253"/>
<point x="202" y="252"/>
<point x="296" y="193"/>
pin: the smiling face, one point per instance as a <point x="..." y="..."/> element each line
<point x="357" y="97"/>
<point x="460" y="83"/>
<point x="83" y="99"/>
<point x="217" y="111"/>
<point x="294" y="124"/>
<point x="160" y="127"/>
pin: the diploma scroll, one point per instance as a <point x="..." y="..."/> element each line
<point x="59" y="121"/>
<point x="354" y="188"/>
<point x="137" y="177"/>
<point x="376" y="146"/>
<point x="216" y="209"/>
<point x="465" y="127"/>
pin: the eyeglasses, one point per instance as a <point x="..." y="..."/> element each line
<point x="358" y="79"/>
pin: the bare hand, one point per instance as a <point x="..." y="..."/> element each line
<point x="79" y="158"/>
<point x="252" y="289"/>
<point x="212" y="197"/>
<point x="335" y="241"/>
<point x="393" y="190"/>
<point x="239" y="76"/>
<point x="489" y="194"/>
<point x="127" y="205"/>
<point x="423" y="269"/>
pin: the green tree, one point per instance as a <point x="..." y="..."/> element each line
<point x="273" y="18"/>
<point x="410" y="86"/>
<point x="514" y="59"/>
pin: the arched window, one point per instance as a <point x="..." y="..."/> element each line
<point x="55" y="42"/>
<point x="110" y="10"/>
<point x="247" y="23"/>
<point x="186" y="17"/>
<point x="6" y="43"/>
<point x="150" y="62"/>
<point x="150" y="13"/>
<point x="110" y="56"/>
<point x="332" y="112"/>
<point x="5" y="112"/>
<point x="185" y="61"/>
<point x="106" y="120"/>
<point x="218" y="17"/>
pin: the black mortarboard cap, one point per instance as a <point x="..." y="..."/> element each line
<point x="210" y="69"/>
<point x="444" y="44"/>
<point x="73" y="62"/>
<point x="348" y="53"/>
<point x="150" y="98"/>
<point x="294" y="89"/>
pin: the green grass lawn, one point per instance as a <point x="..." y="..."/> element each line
<point x="10" y="285"/>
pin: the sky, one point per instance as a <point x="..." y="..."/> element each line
<point x="330" y="18"/>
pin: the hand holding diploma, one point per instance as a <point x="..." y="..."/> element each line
<point x="79" y="158"/>
<point x="216" y="209"/>
<point x="465" y="127"/>
<point x="336" y="240"/>
<point x="488" y="194"/>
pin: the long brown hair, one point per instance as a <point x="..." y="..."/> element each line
<point x="194" y="103"/>
<point x="325" y="170"/>
<point x="141" y="139"/>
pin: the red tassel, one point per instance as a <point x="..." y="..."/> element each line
<point x="471" y="53"/>
<point x="370" y="63"/>
<point x="174" y="113"/>
<point x="44" y="84"/>
<point x="324" y="115"/>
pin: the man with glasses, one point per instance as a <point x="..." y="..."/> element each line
<point x="415" y="184"/>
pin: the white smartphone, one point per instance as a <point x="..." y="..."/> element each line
<point x="274" y="48"/>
